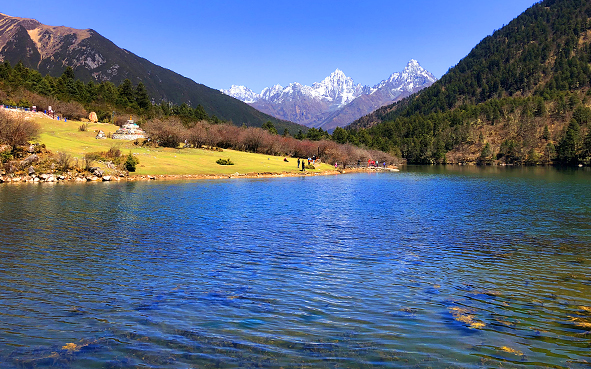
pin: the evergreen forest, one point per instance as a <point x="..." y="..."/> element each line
<point x="521" y="96"/>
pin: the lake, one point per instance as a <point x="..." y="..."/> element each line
<point x="430" y="267"/>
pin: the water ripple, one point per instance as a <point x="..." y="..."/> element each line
<point x="425" y="268"/>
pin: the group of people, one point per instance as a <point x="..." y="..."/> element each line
<point x="312" y="161"/>
<point x="302" y="162"/>
<point x="373" y="163"/>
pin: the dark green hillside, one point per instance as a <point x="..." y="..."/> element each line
<point x="531" y="74"/>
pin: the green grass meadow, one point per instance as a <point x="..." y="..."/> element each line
<point x="60" y="136"/>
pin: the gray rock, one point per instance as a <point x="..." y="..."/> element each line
<point x="31" y="170"/>
<point x="33" y="158"/>
<point x="106" y="178"/>
<point x="96" y="171"/>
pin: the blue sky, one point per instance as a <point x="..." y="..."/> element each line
<point x="264" y="42"/>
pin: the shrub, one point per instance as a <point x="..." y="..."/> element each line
<point x="83" y="127"/>
<point x="89" y="159"/>
<point x="130" y="163"/>
<point x="224" y="162"/>
<point x="113" y="153"/>
<point x="64" y="161"/>
<point x="5" y="156"/>
<point x="16" y="130"/>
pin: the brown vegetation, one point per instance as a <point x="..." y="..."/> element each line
<point x="15" y="129"/>
<point x="171" y="133"/>
<point x="70" y="110"/>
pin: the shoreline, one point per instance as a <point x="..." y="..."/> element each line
<point x="53" y="178"/>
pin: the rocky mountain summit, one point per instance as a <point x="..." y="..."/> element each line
<point x="335" y="101"/>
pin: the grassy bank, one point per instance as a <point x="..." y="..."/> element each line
<point x="60" y="136"/>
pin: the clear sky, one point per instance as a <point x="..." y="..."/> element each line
<point x="264" y="42"/>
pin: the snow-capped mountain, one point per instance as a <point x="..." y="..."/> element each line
<point x="335" y="101"/>
<point x="242" y="93"/>
<point x="413" y="75"/>
<point x="337" y="89"/>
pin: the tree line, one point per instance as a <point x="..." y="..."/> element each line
<point x="73" y="98"/>
<point x="172" y="132"/>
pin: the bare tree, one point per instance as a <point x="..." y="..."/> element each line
<point x="197" y="135"/>
<point x="167" y="133"/>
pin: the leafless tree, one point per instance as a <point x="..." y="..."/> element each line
<point x="167" y="133"/>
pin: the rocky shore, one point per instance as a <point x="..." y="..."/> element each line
<point x="97" y="176"/>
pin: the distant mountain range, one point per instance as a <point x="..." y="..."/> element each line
<point x="337" y="100"/>
<point x="50" y="49"/>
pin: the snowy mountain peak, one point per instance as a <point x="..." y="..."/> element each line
<point x="309" y="105"/>
<point x="412" y="76"/>
<point x="337" y="89"/>
<point x="242" y="93"/>
<point x="269" y="93"/>
<point x="414" y="68"/>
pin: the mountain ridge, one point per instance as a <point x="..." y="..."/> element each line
<point x="49" y="49"/>
<point x="336" y="100"/>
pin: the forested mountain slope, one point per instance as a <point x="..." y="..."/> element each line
<point x="513" y="98"/>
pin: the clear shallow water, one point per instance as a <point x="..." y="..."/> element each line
<point x="440" y="267"/>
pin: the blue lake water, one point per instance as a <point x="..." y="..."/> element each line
<point x="429" y="267"/>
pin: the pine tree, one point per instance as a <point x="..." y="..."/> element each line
<point x="141" y="96"/>
<point x="125" y="93"/>
<point x="567" y="149"/>
<point x="269" y="126"/>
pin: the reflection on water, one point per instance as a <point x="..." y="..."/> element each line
<point x="441" y="267"/>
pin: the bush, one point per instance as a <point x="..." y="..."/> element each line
<point x="83" y="127"/>
<point x="16" y="130"/>
<point x="89" y="159"/>
<point x="224" y="162"/>
<point x="64" y="161"/>
<point x="130" y="163"/>
<point x="113" y="153"/>
<point x="5" y="157"/>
